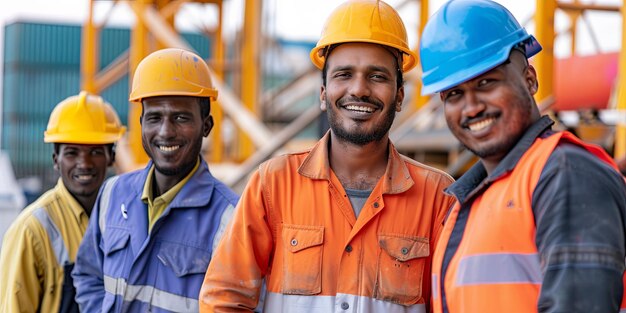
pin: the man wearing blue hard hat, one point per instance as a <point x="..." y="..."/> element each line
<point x="539" y="223"/>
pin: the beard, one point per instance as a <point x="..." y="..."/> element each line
<point x="357" y="136"/>
<point x="184" y="166"/>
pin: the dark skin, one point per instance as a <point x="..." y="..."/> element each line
<point x="361" y="97"/>
<point x="172" y="128"/>
<point x="489" y="113"/>
<point x="83" y="170"/>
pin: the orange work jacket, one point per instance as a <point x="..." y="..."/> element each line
<point x="295" y="227"/>
<point x="491" y="272"/>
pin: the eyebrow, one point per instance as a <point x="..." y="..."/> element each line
<point x="371" y="68"/>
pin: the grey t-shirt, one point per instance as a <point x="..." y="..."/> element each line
<point x="357" y="199"/>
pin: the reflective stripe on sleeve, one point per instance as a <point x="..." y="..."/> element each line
<point x="148" y="294"/>
<point x="435" y="286"/>
<point x="224" y="221"/>
<point x="500" y="268"/>
<point x="105" y="199"/>
<point x="54" y="235"/>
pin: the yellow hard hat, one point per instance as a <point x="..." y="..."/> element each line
<point x="172" y="72"/>
<point x="84" y="119"/>
<point x="370" y="21"/>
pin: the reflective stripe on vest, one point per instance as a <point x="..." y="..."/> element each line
<point x="278" y="302"/>
<point x="105" y="199"/>
<point x="54" y="235"/>
<point x="224" y="221"/>
<point x="148" y="294"/>
<point x="499" y="268"/>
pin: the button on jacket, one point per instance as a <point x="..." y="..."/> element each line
<point x="38" y="253"/>
<point x="545" y="232"/>
<point x="295" y="227"/>
<point x="121" y="267"/>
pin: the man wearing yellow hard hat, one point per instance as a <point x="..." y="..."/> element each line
<point x="349" y="225"/>
<point x="40" y="247"/>
<point x="154" y="230"/>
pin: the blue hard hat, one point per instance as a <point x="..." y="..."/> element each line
<point x="466" y="38"/>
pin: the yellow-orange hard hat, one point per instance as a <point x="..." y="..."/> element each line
<point x="371" y="21"/>
<point x="172" y="72"/>
<point x="84" y="119"/>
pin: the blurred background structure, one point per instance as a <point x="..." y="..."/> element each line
<point x="268" y="89"/>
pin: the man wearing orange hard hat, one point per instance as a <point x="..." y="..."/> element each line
<point x="40" y="247"/>
<point x="349" y="225"/>
<point x="154" y="230"/>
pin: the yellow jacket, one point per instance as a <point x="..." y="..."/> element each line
<point x="295" y="227"/>
<point x="39" y="244"/>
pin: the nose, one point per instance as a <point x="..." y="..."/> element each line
<point x="474" y="105"/>
<point x="359" y="87"/>
<point x="84" y="160"/>
<point x="166" y="129"/>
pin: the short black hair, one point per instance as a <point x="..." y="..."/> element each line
<point x="329" y="49"/>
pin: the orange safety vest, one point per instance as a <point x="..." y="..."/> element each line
<point x="496" y="266"/>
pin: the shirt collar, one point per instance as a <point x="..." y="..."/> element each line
<point x="168" y="196"/>
<point x="71" y="202"/>
<point x="396" y="179"/>
<point x="476" y="178"/>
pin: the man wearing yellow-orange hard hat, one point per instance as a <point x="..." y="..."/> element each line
<point x="40" y="247"/>
<point x="154" y="230"/>
<point x="349" y="225"/>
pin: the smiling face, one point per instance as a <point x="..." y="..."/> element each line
<point x="489" y="113"/>
<point x="361" y="96"/>
<point x="172" y="128"/>
<point x="83" y="169"/>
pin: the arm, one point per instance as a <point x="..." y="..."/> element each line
<point x="22" y="269"/>
<point x="235" y="275"/>
<point x="87" y="273"/>
<point x="579" y="206"/>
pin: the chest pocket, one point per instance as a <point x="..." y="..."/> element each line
<point x="183" y="260"/>
<point x="401" y="266"/>
<point x="114" y="246"/>
<point x="302" y="271"/>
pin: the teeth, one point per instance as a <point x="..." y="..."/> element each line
<point x="360" y="108"/>
<point x="168" y="148"/>
<point x="83" y="177"/>
<point x="481" y="125"/>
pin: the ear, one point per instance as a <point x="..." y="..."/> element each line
<point x="207" y="125"/>
<point x="55" y="158"/>
<point x="531" y="79"/>
<point x="399" y="98"/>
<point x="323" y="105"/>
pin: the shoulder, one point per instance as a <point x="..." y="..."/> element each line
<point x="428" y="172"/>
<point x="568" y="156"/>
<point x="281" y="163"/>
<point x="28" y="222"/>
<point x="225" y="192"/>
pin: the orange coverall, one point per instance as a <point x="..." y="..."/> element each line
<point x="295" y="227"/>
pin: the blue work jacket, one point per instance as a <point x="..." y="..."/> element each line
<point x="121" y="267"/>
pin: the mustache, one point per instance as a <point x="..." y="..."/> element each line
<point x="481" y="116"/>
<point x="341" y="102"/>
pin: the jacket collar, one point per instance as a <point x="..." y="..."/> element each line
<point x="396" y="179"/>
<point x="195" y="193"/>
<point x="476" y="179"/>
